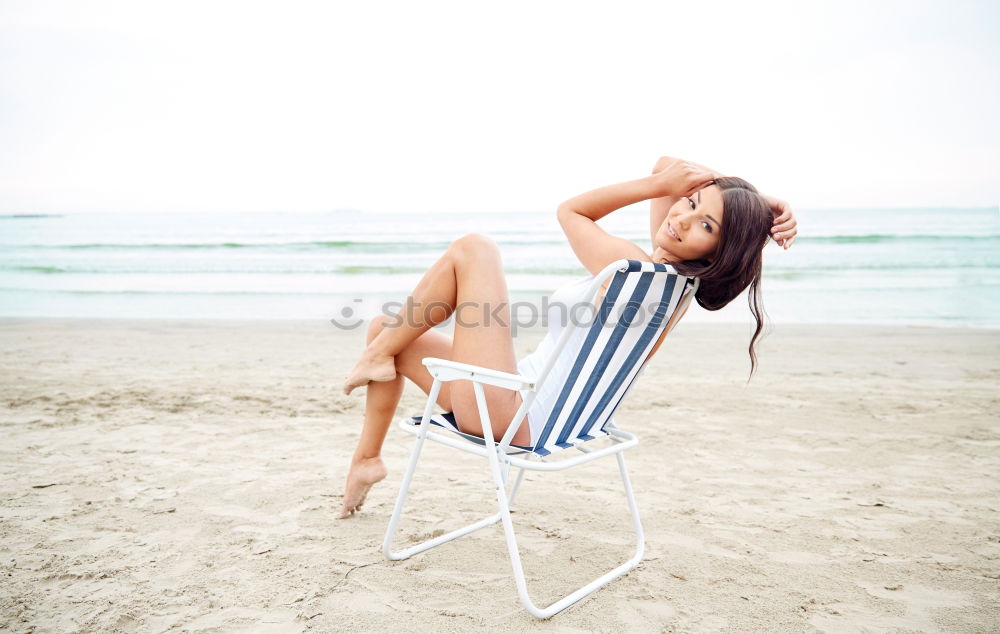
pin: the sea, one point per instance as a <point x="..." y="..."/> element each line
<point x="935" y="267"/>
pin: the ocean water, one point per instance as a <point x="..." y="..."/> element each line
<point x="895" y="266"/>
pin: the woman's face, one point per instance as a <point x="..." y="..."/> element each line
<point x="692" y="228"/>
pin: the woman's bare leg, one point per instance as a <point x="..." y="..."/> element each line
<point x="431" y="303"/>
<point x="381" y="402"/>
<point x="469" y="275"/>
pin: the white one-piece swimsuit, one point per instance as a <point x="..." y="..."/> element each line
<point x="567" y="306"/>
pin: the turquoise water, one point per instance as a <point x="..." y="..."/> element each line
<point x="898" y="266"/>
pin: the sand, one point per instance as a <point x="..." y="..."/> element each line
<point x="185" y="476"/>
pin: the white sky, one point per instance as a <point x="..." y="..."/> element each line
<point x="469" y="106"/>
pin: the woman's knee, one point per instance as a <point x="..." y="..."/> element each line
<point x="475" y="244"/>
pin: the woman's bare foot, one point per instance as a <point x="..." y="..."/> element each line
<point x="363" y="474"/>
<point x="370" y="367"/>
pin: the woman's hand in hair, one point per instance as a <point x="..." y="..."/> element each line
<point x="784" y="228"/>
<point x="665" y="161"/>
<point x="676" y="177"/>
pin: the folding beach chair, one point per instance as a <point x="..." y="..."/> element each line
<point x="608" y="356"/>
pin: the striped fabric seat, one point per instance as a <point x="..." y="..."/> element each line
<point x="632" y="315"/>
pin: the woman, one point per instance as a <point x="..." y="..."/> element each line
<point x="704" y="224"/>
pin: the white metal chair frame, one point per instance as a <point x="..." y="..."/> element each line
<point x="502" y="456"/>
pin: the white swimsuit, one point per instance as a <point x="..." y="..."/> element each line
<point x="566" y="308"/>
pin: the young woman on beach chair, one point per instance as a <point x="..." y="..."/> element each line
<point x="704" y="224"/>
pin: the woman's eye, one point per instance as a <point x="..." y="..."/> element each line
<point x="691" y="202"/>
<point x="707" y="226"/>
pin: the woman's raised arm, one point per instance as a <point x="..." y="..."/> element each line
<point x="578" y="216"/>
<point x="593" y="246"/>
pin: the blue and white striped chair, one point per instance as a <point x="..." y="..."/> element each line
<point x="608" y="357"/>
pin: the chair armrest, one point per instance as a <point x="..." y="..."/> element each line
<point x="445" y="370"/>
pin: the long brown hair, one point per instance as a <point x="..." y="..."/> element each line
<point x="738" y="260"/>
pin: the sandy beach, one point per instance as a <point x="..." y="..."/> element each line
<point x="183" y="475"/>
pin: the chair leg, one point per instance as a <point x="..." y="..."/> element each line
<point x="517" y="485"/>
<point x="504" y="501"/>
<point x="404" y="489"/>
<point x="508" y="527"/>
<point x="640" y="539"/>
<point x="584" y="591"/>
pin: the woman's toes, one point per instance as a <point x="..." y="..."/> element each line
<point x="380" y="368"/>
<point x="363" y="474"/>
<point x="351" y="383"/>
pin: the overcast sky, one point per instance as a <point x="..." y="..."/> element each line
<point x="472" y="106"/>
